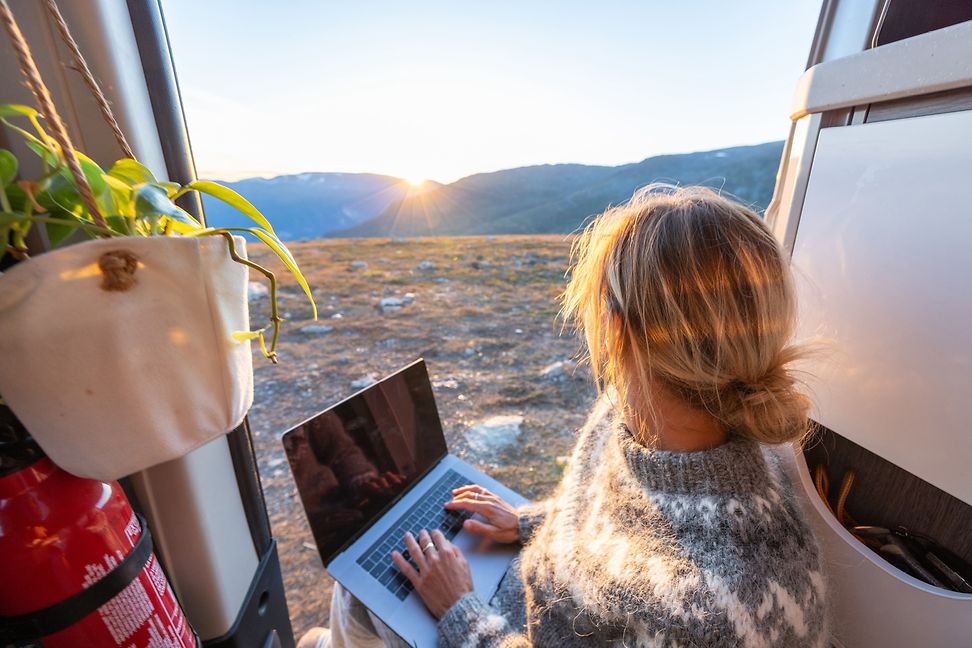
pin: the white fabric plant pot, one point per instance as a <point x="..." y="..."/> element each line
<point x="112" y="382"/>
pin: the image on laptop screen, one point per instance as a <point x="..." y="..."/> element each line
<point x="351" y="461"/>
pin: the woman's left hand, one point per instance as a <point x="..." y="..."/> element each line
<point x="443" y="576"/>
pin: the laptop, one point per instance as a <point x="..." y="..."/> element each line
<point x="373" y="467"/>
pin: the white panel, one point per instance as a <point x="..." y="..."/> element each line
<point x="193" y="506"/>
<point x="883" y="258"/>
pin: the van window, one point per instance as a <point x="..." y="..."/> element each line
<point x="907" y="18"/>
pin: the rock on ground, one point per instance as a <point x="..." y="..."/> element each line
<point x="257" y="291"/>
<point x="316" y="329"/>
<point x="554" y="372"/>
<point x="364" y="381"/>
<point x="490" y="436"/>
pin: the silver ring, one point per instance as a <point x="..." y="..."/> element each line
<point x="476" y="495"/>
<point x="426" y="547"/>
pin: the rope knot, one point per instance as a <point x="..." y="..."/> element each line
<point x="118" y="268"/>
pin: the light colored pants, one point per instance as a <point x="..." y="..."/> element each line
<point x="353" y="626"/>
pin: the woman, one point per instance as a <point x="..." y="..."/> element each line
<point x="671" y="526"/>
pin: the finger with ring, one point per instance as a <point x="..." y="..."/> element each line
<point x="428" y="547"/>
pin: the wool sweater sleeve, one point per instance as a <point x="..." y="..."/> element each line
<point x="472" y="623"/>
<point x="529" y="518"/>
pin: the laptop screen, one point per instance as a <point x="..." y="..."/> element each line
<point x="353" y="460"/>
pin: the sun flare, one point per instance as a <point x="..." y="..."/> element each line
<point x="415" y="182"/>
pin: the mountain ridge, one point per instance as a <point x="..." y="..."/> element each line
<point x="310" y="205"/>
<point x="542" y="198"/>
<point x="560" y="198"/>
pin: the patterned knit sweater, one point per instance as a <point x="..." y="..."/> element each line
<point x="649" y="548"/>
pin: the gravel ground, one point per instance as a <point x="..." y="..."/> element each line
<point x="482" y="311"/>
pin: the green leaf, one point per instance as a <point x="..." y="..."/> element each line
<point x="172" y="188"/>
<point x="132" y="172"/>
<point x="7" y="219"/>
<point x="284" y="255"/>
<point x="59" y="194"/>
<point x="12" y="110"/>
<point x="121" y="197"/>
<point x="94" y="174"/>
<point x="17" y="198"/>
<point x="46" y="151"/>
<point x="186" y="229"/>
<point x="245" y="336"/>
<point x="8" y="167"/>
<point x="119" y="224"/>
<point x="231" y="198"/>
<point x="4" y="240"/>
<point x="56" y="233"/>
<point x="151" y="200"/>
<point x="46" y="154"/>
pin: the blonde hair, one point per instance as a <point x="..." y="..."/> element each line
<point x="685" y="289"/>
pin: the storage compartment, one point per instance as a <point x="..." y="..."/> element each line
<point x="880" y="494"/>
<point x="872" y="602"/>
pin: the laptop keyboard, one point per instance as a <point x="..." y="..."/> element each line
<point x="426" y="514"/>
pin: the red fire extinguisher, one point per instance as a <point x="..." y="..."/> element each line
<point x="77" y="568"/>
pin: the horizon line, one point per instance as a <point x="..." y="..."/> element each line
<point x="257" y="175"/>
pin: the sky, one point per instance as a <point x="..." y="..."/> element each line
<point x="441" y="90"/>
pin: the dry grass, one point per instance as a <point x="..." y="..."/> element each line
<point x="484" y="318"/>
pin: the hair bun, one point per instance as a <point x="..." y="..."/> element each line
<point x="769" y="408"/>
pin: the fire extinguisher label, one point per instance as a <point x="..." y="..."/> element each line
<point x="126" y="613"/>
<point x="145" y="614"/>
<point x="132" y="529"/>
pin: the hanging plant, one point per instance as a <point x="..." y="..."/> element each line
<point x="137" y="203"/>
<point x="133" y="348"/>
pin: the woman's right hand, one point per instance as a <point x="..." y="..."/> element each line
<point x="501" y="518"/>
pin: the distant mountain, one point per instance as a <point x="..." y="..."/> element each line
<point x="311" y="205"/>
<point x="560" y="197"/>
<point x="537" y="199"/>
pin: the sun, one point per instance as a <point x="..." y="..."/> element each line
<point x="415" y="182"/>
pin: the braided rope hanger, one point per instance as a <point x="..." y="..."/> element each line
<point x="81" y="66"/>
<point x="46" y="104"/>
